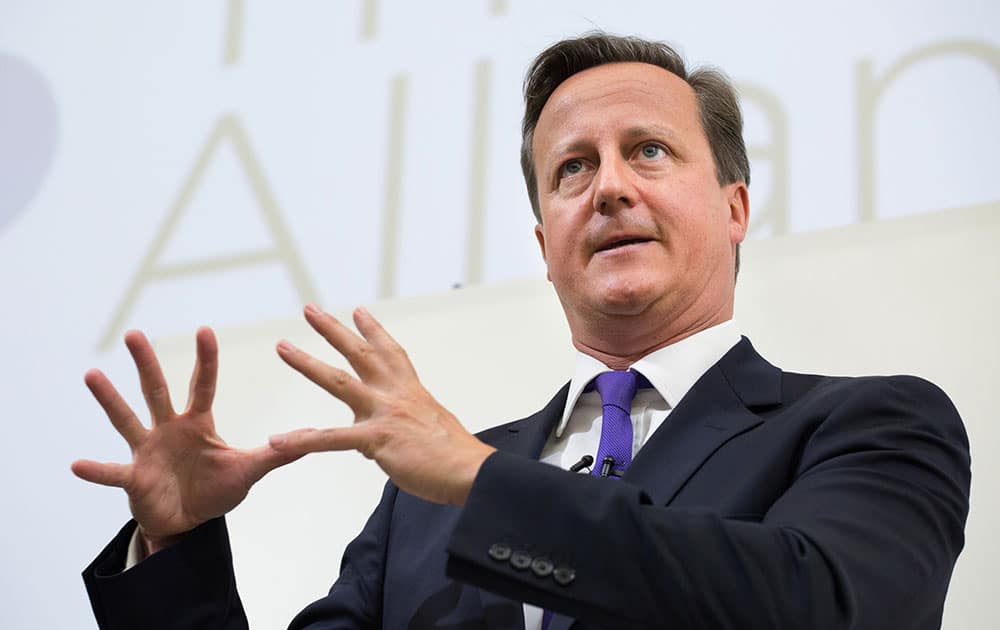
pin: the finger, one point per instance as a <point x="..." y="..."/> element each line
<point x="358" y="352"/>
<point x="358" y="437"/>
<point x="373" y="332"/>
<point x="206" y="370"/>
<point x="154" y="386"/>
<point x="121" y="415"/>
<point x="338" y="382"/>
<point x="105" y="474"/>
<point x="266" y="458"/>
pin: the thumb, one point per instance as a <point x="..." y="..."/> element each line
<point x="265" y="458"/>
<point x="104" y="474"/>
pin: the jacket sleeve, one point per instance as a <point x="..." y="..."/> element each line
<point x="865" y="535"/>
<point x="187" y="585"/>
<point x="191" y="584"/>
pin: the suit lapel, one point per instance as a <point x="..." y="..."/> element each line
<point x="717" y="408"/>
<point x="720" y="406"/>
<point x="526" y="438"/>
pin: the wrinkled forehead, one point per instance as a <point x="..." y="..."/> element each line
<point x="609" y="92"/>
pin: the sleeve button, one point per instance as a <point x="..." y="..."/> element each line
<point x="520" y="560"/>
<point x="499" y="552"/>
<point x="564" y="575"/>
<point x="542" y="567"/>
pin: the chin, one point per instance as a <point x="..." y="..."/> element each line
<point x="627" y="298"/>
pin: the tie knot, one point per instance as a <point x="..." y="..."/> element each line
<point x="617" y="388"/>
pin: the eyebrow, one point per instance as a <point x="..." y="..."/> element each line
<point x="640" y="131"/>
<point x="632" y="133"/>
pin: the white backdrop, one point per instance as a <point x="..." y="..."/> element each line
<point x="166" y="164"/>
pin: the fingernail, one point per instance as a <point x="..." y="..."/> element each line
<point x="364" y="311"/>
<point x="313" y="309"/>
<point x="285" y="346"/>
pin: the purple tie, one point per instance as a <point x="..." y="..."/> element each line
<point x="617" y="389"/>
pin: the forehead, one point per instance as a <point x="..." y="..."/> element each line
<point x="621" y="93"/>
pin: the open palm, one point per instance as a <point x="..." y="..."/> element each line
<point x="182" y="473"/>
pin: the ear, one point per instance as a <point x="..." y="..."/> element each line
<point x="540" y="237"/>
<point x="738" y="198"/>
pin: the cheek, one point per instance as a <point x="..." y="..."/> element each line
<point x="557" y="252"/>
<point x="563" y="237"/>
<point x="696" y="219"/>
<point x="561" y="264"/>
<point x="692" y="239"/>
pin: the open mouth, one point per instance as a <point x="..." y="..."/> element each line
<point x="625" y="242"/>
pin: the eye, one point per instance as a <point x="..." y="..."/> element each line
<point x="652" y="151"/>
<point x="571" y="167"/>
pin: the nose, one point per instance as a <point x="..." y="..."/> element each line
<point x="613" y="186"/>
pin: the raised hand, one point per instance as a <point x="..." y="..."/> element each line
<point x="416" y="441"/>
<point x="182" y="473"/>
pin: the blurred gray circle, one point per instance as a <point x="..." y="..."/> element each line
<point x="28" y="132"/>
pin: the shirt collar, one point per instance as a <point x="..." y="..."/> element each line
<point x="671" y="370"/>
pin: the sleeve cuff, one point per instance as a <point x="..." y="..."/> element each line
<point x="189" y="584"/>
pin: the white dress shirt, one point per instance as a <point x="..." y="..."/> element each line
<point x="671" y="371"/>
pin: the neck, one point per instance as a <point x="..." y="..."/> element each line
<point x="620" y="342"/>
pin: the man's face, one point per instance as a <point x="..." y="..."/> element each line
<point x="634" y="221"/>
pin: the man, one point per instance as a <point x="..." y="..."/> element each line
<point x="738" y="496"/>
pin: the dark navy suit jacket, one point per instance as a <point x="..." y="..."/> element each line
<point x="767" y="500"/>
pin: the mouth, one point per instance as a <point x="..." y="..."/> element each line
<point x="621" y="243"/>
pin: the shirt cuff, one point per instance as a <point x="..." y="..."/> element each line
<point x="134" y="554"/>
